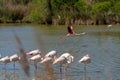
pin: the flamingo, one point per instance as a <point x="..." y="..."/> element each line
<point x="5" y="60"/>
<point x="85" y="60"/>
<point x="72" y="32"/>
<point x="14" y="58"/>
<point x="36" y="58"/>
<point x="34" y="52"/>
<point x="109" y="26"/>
<point x="46" y="60"/>
<point x="49" y="56"/>
<point x="65" y="58"/>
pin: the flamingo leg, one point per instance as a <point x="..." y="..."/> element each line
<point x="84" y="71"/>
<point x="65" y="68"/>
<point x="14" y="67"/>
<point x="60" y="68"/>
<point x="5" y="68"/>
<point x="61" y="71"/>
<point x="35" y="65"/>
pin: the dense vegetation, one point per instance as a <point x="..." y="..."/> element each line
<point x="60" y="11"/>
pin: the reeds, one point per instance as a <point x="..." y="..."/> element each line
<point x="23" y="61"/>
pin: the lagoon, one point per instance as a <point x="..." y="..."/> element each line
<point x="102" y="43"/>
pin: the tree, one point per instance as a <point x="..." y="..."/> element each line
<point x="83" y="9"/>
<point x="116" y="11"/>
<point x="65" y="9"/>
<point x="100" y="11"/>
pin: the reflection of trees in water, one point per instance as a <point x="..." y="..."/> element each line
<point x="13" y="76"/>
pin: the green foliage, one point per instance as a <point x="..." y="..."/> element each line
<point x="39" y="11"/>
<point x="12" y="12"/>
<point x="81" y="5"/>
<point x="83" y="8"/>
<point x="101" y="7"/>
<point x="33" y="16"/>
<point x="45" y="11"/>
<point x="64" y="8"/>
<point x="116" y="7"/>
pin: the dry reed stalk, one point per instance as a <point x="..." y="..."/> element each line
<point x="47" y="66"/>
<point x="23" y="61"/>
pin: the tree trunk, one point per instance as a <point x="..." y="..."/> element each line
<point x="50" y="11"/>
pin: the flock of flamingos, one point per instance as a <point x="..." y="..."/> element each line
<point x="65" y="58"/>
<point x="50" y="57"/>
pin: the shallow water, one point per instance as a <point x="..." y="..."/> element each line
<point x="102" y="43"/>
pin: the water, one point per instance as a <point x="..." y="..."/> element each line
<point x="101" y="43"/>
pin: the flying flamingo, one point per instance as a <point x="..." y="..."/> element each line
<point x="5" y="60"/>
<point x="85" y="60"/>
<point x="72" y="32"/>
<point x="34" y="52"/>
<point x="65" y="58"/>
<point x="36" y="58"/>
<point x="49" y="56"/>
<point x="14" y="58"/>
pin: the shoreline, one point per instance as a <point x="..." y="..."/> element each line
<point x="38" y="23"/>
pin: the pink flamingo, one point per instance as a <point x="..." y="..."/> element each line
<point x="5" y="60"/>
<point x="14" y="58"/>
<point x="36" y="58"/>
<point x="86" y="60"/>
<point x="34" y="52"/>
<point x="65" y="58"/>
<point x="47" y="60"/>
<point x="49" y="56"/>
